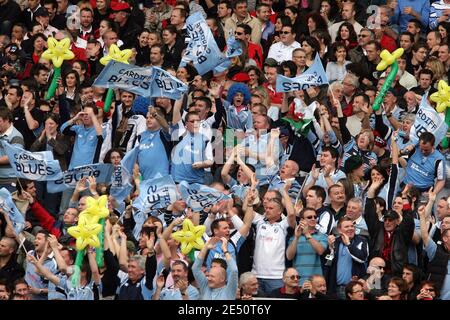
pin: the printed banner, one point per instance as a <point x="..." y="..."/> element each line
<point x="36" y="166"/>
<point x="428" y="120"/>
<point x="199" y="196"/>
<point x="155" y="194"/>
<point x="202" y="48"/>
<point x="101" y="171"/>
<point x="121" y="185"/>
<point x="312" y="77"/>
<point x="146" y="82"/>
<point x="7" y="205"/>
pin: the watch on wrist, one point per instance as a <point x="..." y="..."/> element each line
<point x="308" y="237"/>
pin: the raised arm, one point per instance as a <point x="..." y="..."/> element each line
<point x="288" y="204"/>
<point x="53" y="242"/>
<point x="93" y="266"/>
<point x="291" y="251"/>
<point x="249" y="213"/>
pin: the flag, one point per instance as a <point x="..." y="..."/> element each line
<point x="234" y="49"/>
<point x="36" y="166"/>
<point x="121" y="185"/>
<point x="165" y="85"/>
<point x="101" y="171"/>
<point x="155" y="194"/>
<point x="8" y="206"/>
<point x="202" y="49"/>
<point x="199" y="196"/>
<point x="146" y="82"/>
<point x="313" y="76"/>
<point x="428" y="120"/>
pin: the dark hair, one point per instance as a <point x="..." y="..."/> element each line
<point x="285" y="20"/>
<point x="318" y="20"/>
<point x="363" y="95"/>
<point x="52" y="116"/>
<point x="77" y="79"/>
<point x="171" y="28"/>
<point x="19" y="90"/>
<point x="181" y="263"/>
<point x="226" y="3"/>
<point x="239" y="2"/>
<point x="426" y="71"/>
<point x="320" y="192"/>
<point x="334" y="48"/>
<point x="352" y="37"/>
<point x="258" y="72"/>
<point x="314" y="43"/>
<point x="376" y="44"/>
<point x="107" y="158"/>
<point x="6" y="114"/>
<point x="38" y="35"/>
<point x="302" y="213"/>
<point x="342" y="220"/>
<point x="402" y="286"/>
<point x="417" y="23"/>
<point x="431" y="284"/>
<point x="220" y="261"/>
<point x="418" y="45"/>
<point x="333" y="152"/>
<point x="381" y="171"/>
<point x="291" y="66"/>
<point x="427" y="137"/>
<point x="349" y="288"/>
<point x="87" y="9"/>
<point x="247" y="29"/>
<point x="417" y="274"/>
<point x="215" y="224"/>
<point x="322" y="35"/>
<point x="207" y="101"/>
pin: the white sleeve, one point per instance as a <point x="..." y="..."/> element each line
<point x="208" y="153"/>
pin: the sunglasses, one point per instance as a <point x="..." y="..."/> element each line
<point x="294" y="277"/>
<point x="285" y="32"/>
<point x="362" y="36"/>
<point x="239" y="33"/>
<point x="311" y="217"/>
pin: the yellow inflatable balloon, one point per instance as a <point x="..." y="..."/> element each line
<point x="114" y="53"/>
<point x="96" y="208"/>
<point x="442" y="96"/>
<point x="86" y="233"/>
<point x="388" y="58"/>
<point x="190" y="236"/>
<point x="58" y="51"/>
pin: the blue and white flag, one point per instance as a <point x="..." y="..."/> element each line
<point x="8" y="206"/>
<point x="127" y="77"/>
<point x="146" y="82"/>
<point x="428" y="120"/>
<point x="312" y="77"/>
<point x="121" y="185"/>
<point x="165" y="85"/>
<point x="202" y="48"/>
<point x="36" y="166"/>
<point x="156" y="193"/>
<point x="234" y="49"/>
<point x="101" y="171"/>
<point x="199" y="196"/>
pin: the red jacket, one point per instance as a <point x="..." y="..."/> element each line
<point x="45" y="219"/>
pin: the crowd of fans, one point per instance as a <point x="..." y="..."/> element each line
<point x="350" y="208"/>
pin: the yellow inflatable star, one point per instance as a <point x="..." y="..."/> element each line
<point x="388" y="58"/>
<point x="114" y="53"/>
<point x="442" y="96"/>
<point x="86" y="233"/>
<point x="58" y="51"/>
<point x="96" y="208"/>
<point x="190" y="236"/>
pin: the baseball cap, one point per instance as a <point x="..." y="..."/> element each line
<point x="241" y="77"/>
<point x="391" y="90"/>
<point x="13" y="48"/>
<point x="391" y="214"/>
<point x="120" y="6"/>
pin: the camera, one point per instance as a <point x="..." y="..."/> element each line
<point x="329" y="259"/>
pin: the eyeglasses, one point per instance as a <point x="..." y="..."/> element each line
<point x="311" y="217"/>
<point x="294" y="277"/>
<point x="363" y="35"/>
<point x="380" y="267"/>
<point x="238" y="33"/>
<point x="358" y="291"/>
<point x="285" y="32"/>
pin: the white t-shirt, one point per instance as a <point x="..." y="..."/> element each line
<point x="270" y="248"/>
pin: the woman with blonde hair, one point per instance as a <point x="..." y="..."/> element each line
<point x="438" y="69"/>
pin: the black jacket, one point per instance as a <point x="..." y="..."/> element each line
<point x="402" y="237"/>
<point x="128" y="34"/>
<point x="11" y="271"/>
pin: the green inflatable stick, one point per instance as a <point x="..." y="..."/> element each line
<point x="386" y="85"/>
<point x="99" y="250"/>
<point x="444" y="142"/>
<point x="78" y="264"/>
<point x="108" y="100"/>
<point x="54" y="84"/>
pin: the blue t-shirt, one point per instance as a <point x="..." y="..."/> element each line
<point x="192" y="148"/>
<point x="152" y="156"/>
<point x="344" y="267"/>
<point x="237" y="239"/>
<point x="85" y="145"/>
<point x="307" y="260"/>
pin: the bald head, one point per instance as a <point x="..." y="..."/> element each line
<point x="377" y="262"/>
<point x="7" y="246"/>
<point x="289" y="170"/>
<point x="217" y="277"/>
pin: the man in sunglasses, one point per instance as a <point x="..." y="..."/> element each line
<point x="307" y="245"/>
<point x="290" y="289"/>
